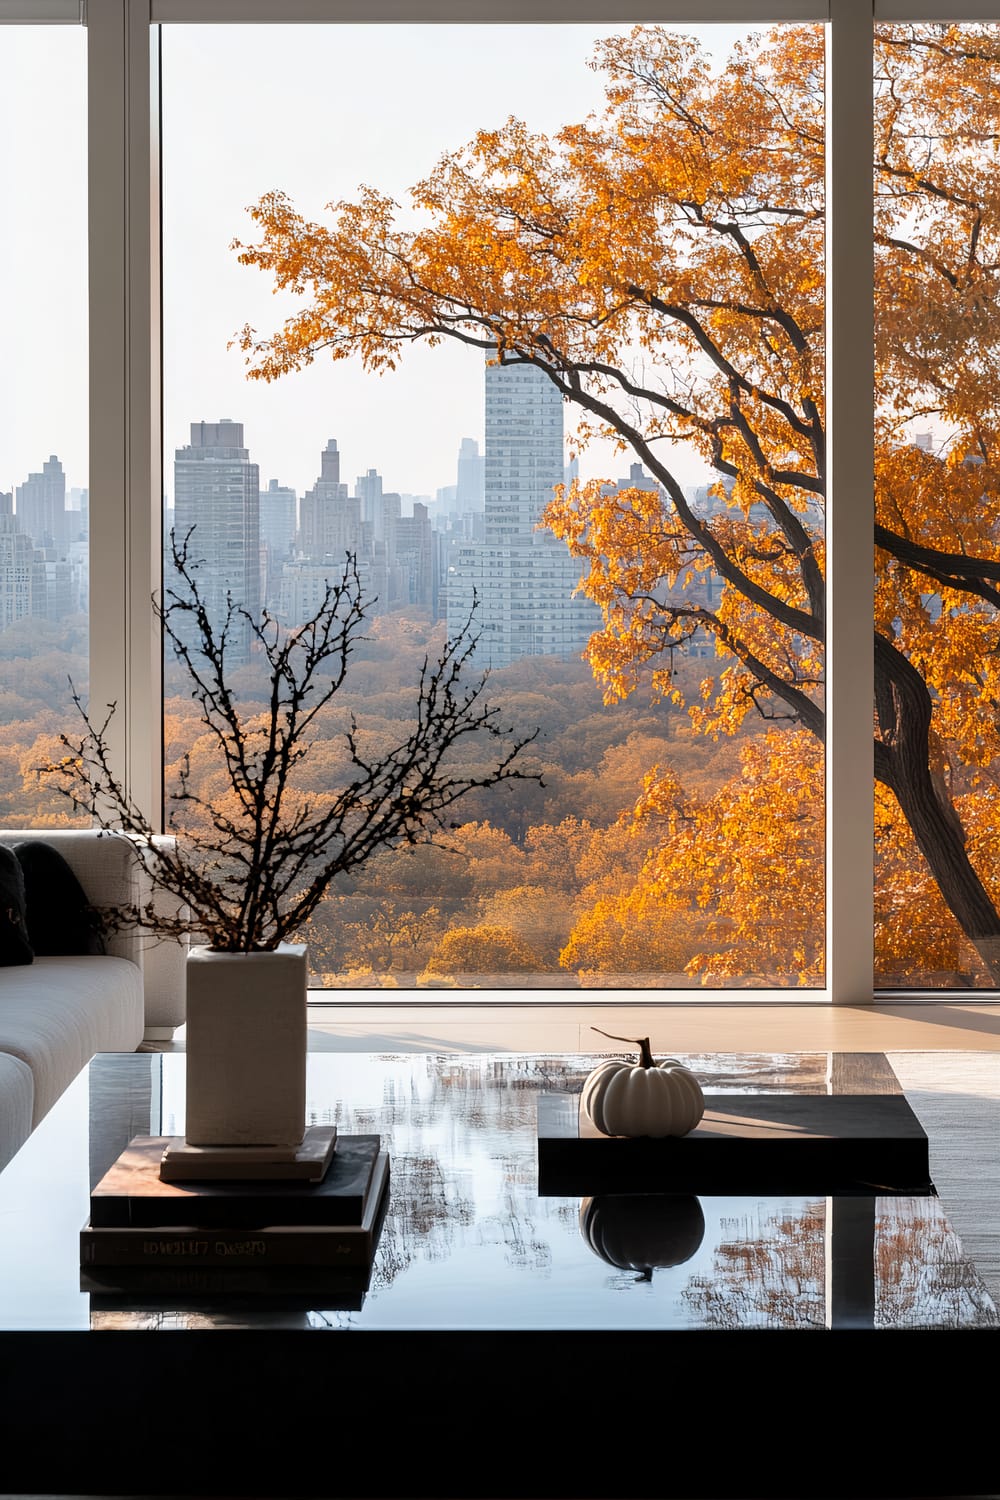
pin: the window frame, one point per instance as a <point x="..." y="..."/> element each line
<point x="126" y="481"/>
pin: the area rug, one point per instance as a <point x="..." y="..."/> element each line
<point x="956" y="1098"/>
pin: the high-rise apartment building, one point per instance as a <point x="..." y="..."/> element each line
<point x="415" y="578"/>
<point x="279" y="518"/>
<point x="635" y="479"/>
<point x="470" y="491"/>
<point x="330" y="530"/>
<point x="279" y="522"/>
<point x="22" y="570"/>
<point x="40" y="503"/>
<point x="329" y="519"/>
<point x="217" y="500"/>
<point x="368" y="489"/>
<point x="305" y="583"/>
<point x="524" y="579"/>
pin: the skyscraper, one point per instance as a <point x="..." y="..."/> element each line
<point x="414" y="560"/>
<point x="523" y="577"/>
<point x="368" y="489"/>
<point x="279" y="518"/>
<point x="330" y="530"/>
<point x="217" y="499"/>
<point x="41" y="505"/>
<point x="22" y="570"/>
<point x="329" y="519"/>
<point x="470" y="489"/>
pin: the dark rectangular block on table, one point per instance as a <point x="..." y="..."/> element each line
<point x="133" y="1195"/>
<point x="746" y="1143"/>
<point x="124" y="1289"/>
<point x="272" y="1247"/>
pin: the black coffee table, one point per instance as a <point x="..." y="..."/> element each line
<point x="757" y="1343"/>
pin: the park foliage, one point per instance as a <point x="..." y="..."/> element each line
<point x="662" y="263"/>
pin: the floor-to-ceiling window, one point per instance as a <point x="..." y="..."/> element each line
<point x="44" y="466"/>
<point x="715" y="876"/>
<point x="590" y="421"/>
<point x="937" y="543"/>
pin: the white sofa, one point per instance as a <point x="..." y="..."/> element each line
<point x="56" y="1012"/>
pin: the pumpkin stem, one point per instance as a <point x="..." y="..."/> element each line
<point x="642" y="1042"/>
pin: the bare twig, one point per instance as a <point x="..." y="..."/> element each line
<point x="270" y="853"/>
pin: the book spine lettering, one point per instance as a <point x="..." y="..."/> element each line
<point x="136" y="1247"/>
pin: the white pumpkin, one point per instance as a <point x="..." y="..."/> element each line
<point x="647" y="1098"/>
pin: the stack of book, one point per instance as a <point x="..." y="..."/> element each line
<point x="168" y="1216"/>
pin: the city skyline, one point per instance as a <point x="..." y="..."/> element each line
<point x="439" y="502"/>
<point x="431" y="88"/>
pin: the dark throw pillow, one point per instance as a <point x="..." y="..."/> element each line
<point x="60" y="918"/>
<point x="15" y="945"/>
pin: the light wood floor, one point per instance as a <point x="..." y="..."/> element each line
<point x="392" y="1026"/>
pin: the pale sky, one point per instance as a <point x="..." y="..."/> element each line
<point x="314" y="111"/>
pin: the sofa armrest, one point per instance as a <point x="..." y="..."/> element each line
<point x="164" y="959"/>
<point x="111" y="869"/>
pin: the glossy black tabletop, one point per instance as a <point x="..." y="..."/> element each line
<point x="469" y="1244"/>
<point x="506" y="1343"/>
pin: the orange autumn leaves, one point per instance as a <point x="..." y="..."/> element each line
<point x="663" y="263"/>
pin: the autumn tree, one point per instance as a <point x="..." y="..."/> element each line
<point x="484" y="950"/>
<point x="662" y="263"/>
<point x="258" y="854"/>
<point x="535" y="915"/>
<point x="637" y="934"/>
<point x="703" y="859"/>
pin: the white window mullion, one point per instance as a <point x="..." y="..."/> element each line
<point x="850" y="505"/>
<point x="125" y="450"/>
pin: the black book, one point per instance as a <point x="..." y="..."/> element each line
<point x="132" y="1193"/>
<point x="233" y="1297"/>
<point x="164" y="1251"/>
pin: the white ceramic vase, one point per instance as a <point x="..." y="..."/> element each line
<point x="246" y="1047"/>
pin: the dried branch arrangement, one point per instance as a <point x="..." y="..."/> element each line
<point x="252" y="865"/>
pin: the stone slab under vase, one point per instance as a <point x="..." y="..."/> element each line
<point x="246" y="1047"/>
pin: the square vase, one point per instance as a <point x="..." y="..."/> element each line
<point x="246" y="1047"/>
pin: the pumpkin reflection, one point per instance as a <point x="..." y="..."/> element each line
<point x="643" y="1231"/>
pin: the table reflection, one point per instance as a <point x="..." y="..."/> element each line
<point x="469" y="1243"/>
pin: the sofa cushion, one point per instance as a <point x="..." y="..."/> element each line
<point x="15" y="945"/>
<point x="60" y="918"/>
<point x="17" y="1099"/>
<point x="56" y="1014"/>
<point x="112" y="868"/>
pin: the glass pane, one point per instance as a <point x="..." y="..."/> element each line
<point x="43" y="398"/>
<point x="559" y="382"/>
<point x="937" y="551"/>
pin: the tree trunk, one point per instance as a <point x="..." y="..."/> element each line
<point x="902" y="763"/>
